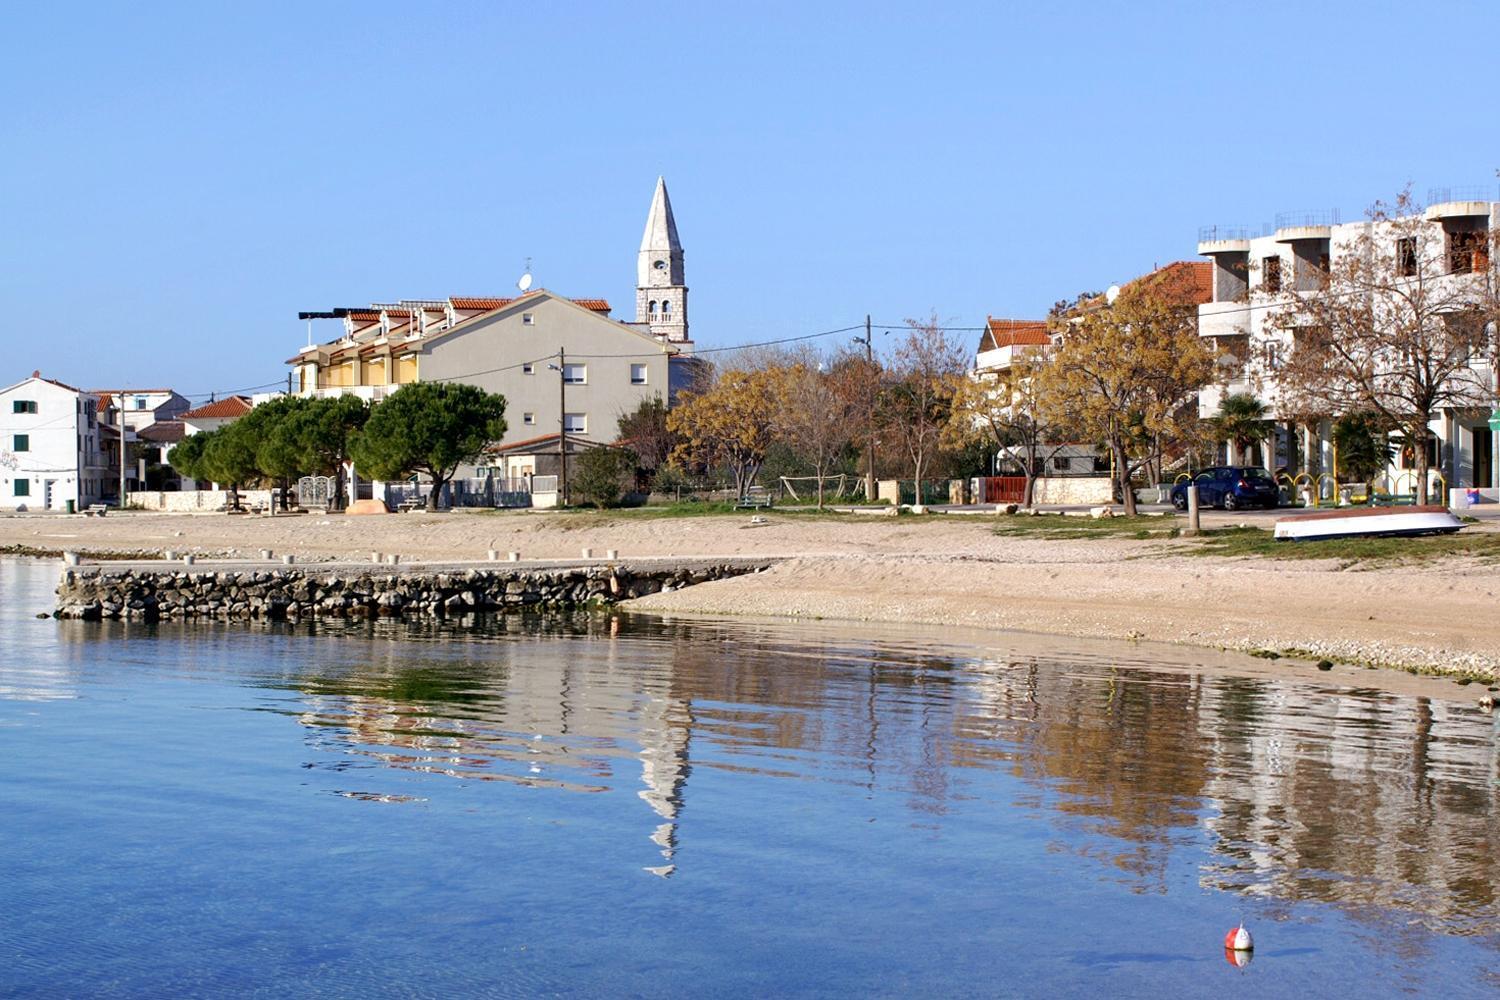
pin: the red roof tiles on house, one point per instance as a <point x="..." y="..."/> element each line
<point x="1013" y="333"/>
<point x="229" y="406"/>
<point x="1183" y="282"/>
<point x="467" y="303"/>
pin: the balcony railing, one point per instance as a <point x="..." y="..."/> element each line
<point x="369" y="393"/>
<point x="1310" y="217"/>
<point x="1463" y="192"/>
<point x="1213" y="234"/>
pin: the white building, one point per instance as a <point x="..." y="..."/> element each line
<point x="142" y="407"/>
<point x="53" y="449"/>
<point x="212" y="416"/>
<point x="564" y="366"/>
<point x="1259" y="274"/>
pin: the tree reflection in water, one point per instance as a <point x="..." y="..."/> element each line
<point x="1357" y="798"/>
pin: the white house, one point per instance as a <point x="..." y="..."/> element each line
<point x="212" y="416"/>
<point x="1258" y="274"/>
<point x="141" y="407"/>
<point x="52" y="447"/>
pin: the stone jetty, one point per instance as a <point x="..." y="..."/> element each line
<point x="156" y="590"/>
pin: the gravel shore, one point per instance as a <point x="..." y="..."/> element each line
<point x="1436" y="616"/>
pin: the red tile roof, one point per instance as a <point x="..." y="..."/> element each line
<point x="1184" y="282"/>
<point x="485" y="304"/>
<point x="229" y="406"/>
<point x="467" y="303"/>
<point x="162" y="432"/>
<point x="1014" y="332"/>
<point x="575" y="441"/>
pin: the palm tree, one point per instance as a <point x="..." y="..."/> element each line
<point x="1241" y="421"/>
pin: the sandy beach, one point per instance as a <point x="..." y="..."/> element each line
<point x="939" y="570"/>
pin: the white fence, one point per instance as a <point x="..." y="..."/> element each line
<point x="480" y="491"/>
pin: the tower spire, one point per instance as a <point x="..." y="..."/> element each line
<point x="661" y="289"/>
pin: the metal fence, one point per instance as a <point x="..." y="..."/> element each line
<point x="478" y="491"/>
<point x="1463" y="192"/>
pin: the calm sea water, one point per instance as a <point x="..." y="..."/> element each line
<point x="610" y="805"/>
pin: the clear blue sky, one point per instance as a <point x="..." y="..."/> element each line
<point x="177" y="181"/>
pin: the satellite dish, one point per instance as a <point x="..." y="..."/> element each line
<point x="525" y="281"/>
<point x="1112" y="293"/>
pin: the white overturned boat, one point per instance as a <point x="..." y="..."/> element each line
<point x="1367" y="522"/>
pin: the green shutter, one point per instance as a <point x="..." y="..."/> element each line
<point x="23" y="442"/>
<point x="23" y="487"/>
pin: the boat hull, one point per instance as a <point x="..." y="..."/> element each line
<point x="1377" y="522"/>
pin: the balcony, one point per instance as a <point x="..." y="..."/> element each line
<point x="1306" y="225"/>
<point x="1224" y="319"/>
<point x="1224" y="239"/>
<point x="1459" y="202"/>
<point x="369" y="393"/>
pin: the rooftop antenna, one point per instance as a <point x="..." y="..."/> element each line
<point x="525" y="281"/>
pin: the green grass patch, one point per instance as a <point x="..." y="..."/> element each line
<point x="590" y="517"/>
<point x="1062" y="526"/>
<point x="1245" y="542"/>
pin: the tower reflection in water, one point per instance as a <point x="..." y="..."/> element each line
<point x="1357" y="798"/>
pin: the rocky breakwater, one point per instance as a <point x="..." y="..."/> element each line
<point x="149" y="592"/>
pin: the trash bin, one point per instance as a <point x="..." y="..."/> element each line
<point x="71" y="506"/>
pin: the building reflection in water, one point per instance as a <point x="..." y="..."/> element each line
<point x="1357" y="798"/>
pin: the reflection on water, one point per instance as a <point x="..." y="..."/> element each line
<point x="1362" y="798"/>
<point x="1149" y="781"/>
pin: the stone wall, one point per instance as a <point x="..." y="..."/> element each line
<point x="1074" y="490"/>
<point x="148" y="593"/>
<point x="182" y="501"/>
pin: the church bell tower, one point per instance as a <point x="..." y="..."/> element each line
<point x="661" y="295"/>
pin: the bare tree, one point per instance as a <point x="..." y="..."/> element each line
<point x="926" y="369"/>
<point x="1402" y="328"/>
<point x="813" y="417"/>
<point x="1004" y="408"/>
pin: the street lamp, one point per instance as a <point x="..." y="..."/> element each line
<point x="562" y="427"/>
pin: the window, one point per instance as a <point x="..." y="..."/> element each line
<point x="1406" y="257"/>
<point x="22" y="442"/>
<point x="528" y="319"/>
<point x="140" y="402"/>
<point x="23" y="487"/>
<point x="652" y="308"/>
<point x="576" y="374"/>
<point x="23" y="406"/>
<point x="528" y="369"/>
<point x="1467" y="252"/>
<point x="529" y="419"/>
<point x="1270" y="274"/>
<point x="1062" y="463"/>
<point x="637" y="374"/>
<point x="576" y="423"/>
<point x="1273" y="357"/>
<point x="666" y="309"/>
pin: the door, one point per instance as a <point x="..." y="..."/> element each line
<point x="1484" y="455"/>
<point x="47" y="490"/>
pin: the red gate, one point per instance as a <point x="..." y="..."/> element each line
<point x="1004" y="489"/>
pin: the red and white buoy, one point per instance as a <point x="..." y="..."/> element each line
<point x="1238" y="940"/>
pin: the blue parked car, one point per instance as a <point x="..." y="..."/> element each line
<point x="1230" y="487"/>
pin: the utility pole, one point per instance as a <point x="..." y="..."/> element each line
<point x="562" y="429"/>
<point x="120" y="404"/>
<point x="869" y="410"/>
